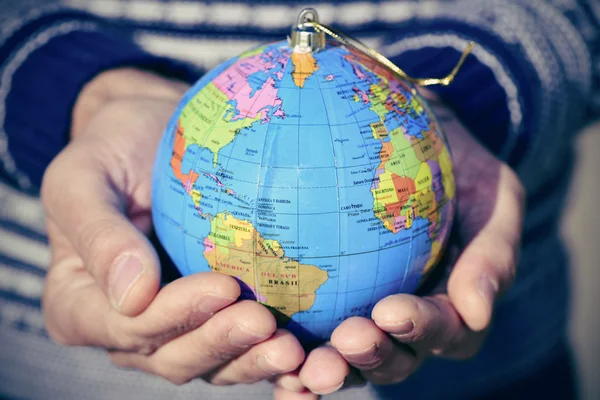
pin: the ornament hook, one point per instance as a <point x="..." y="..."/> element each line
<point x="363" y="48"/>
<point x="307" y="15"/>
<point x="306" y="37"/>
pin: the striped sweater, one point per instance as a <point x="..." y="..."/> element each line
<point x="529" y="87"/>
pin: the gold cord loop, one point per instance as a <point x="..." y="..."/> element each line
<point x="357" y="44"/>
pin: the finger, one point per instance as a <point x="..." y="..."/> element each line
<point x="180" y="307"/>
<point x="224" y="337"/>
<point x="324" y="371"/>
<point x="282" y="394"/>
<point x="88" y="207"/>
<point x="78" y="313"/>
<point x="289" y="381"/>
<point x="429" y="325"/>
<point x="279" y="354"/>
<point x="368" y="348"/>
<point x="362" y="346"/>
<point x="487" y="266"/>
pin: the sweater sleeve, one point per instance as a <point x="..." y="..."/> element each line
<point x="530" y="80"/>
<point x="44" y="63"/>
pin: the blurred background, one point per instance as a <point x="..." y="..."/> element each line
<point x="581" y="229"/>
<point x="580" y="225"/>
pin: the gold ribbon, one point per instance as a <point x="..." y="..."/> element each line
<point x="358" y="45"/>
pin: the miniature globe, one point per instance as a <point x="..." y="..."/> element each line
<point x="319" y="180"/>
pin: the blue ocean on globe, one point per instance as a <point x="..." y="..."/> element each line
<point x="319" y="180"/>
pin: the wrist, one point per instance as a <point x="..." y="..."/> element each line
<point x="118" y="84"/>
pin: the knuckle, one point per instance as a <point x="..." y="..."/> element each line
<point x="129" y="342"/>
<point x="94" y="236"/>
<point x="216" y="345"/>
<point x="223" y="354"/>
<point x="147" y="348"/>
<point x="103" y="242"/>
<point x="148" y="343"/>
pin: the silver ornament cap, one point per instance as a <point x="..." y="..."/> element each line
<point x="304" y="36"/>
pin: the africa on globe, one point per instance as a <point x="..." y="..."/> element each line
<point x="310" y="172"/>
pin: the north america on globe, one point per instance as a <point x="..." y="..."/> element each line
<point x="319" y="180"/>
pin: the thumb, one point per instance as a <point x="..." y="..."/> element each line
<point x="487" y="266"/>
<point x="89" y="208"/>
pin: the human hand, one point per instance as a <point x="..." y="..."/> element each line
<point x="449" y="319"/>
<point x="103" y="285"/>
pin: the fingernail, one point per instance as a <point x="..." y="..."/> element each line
<point x="365" y="359"/>
<point x="265" y="365"/>
<point x="241" y="336"/>
<point x="401" y="328"/>
<point x="328" y="391"/>
<point x="488" y="289"/>
<point x="127" y="270"/>
<point x="404" y="328"/>
<point x="211" y="302"/>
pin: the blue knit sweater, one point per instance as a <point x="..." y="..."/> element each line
<point x="530" y="86"/>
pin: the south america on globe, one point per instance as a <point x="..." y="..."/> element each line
<point x="311" y="173"/>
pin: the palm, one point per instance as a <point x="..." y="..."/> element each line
<point x="192" y="327"/>
<point x="478" y="176"/>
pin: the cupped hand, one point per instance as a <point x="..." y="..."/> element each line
<point x="103" y="287"/>
<point x="447" y="319"/>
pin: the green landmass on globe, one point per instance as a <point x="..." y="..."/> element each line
<point x="319" y="180"/>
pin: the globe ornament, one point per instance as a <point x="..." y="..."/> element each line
<point x="311" y="171"/>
